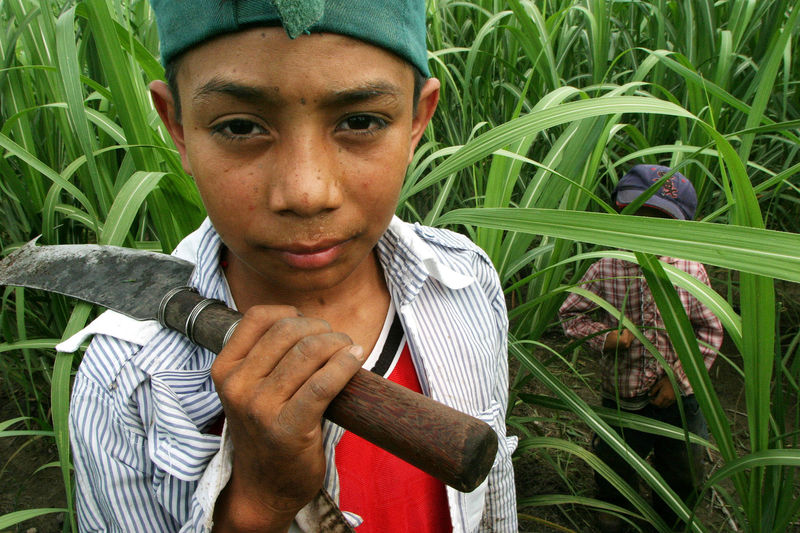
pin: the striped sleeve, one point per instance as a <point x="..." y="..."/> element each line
<point x="113" y="488"/>
<point x="118" y="487"/>
<point x="500" y="511"/>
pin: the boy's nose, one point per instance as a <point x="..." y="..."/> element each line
<point x="306" y="178"/>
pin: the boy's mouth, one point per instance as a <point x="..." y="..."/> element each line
<point x="314" y="256"/>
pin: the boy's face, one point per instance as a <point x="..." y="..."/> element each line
<point x="298" y="148"/>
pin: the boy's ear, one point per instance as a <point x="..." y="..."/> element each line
<point x="426" y="105"/>
<point x="165" y="105"/>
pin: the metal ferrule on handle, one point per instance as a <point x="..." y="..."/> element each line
<point x="194" y="313"/>
<point x="207" y="322"/>
<point x="162" y="307"/>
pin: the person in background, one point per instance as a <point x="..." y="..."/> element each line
<point x="632" y="378"/>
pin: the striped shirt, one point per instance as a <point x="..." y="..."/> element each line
<point x="143" y="397"/>
<point x="623" y="285"/>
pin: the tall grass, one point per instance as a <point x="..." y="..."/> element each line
<point x="544" y="106"/>
<point x="703" y="87"/>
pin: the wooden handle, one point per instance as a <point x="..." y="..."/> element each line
<point x="454" y="447"/>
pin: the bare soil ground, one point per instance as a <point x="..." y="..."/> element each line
<point x="24" y="483"/>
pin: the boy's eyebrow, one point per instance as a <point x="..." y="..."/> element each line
<point x="340" y="97"/>
<point x="219" y="85"/>
<point x="363" y="93"/>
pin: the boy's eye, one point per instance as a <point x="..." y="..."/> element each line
<point x="238" y="128"/>
<point x="362" y="124"/>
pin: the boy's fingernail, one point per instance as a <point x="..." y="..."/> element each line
<point x="357" y="352"/>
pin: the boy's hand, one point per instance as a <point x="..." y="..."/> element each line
<point x="616" y="340"/>
<point x="275" y="378"/>
<point x="662" y="394"/>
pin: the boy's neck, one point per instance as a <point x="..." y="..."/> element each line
<point x="357" y="306"/>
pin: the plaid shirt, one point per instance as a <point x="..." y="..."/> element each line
<point x="622" y="284"/>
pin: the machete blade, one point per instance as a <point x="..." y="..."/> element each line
<point x="129" y="281"/>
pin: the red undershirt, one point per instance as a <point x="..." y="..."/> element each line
<point x="390" y="495"/>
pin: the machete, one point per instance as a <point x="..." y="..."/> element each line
<point x="453" y="447"/>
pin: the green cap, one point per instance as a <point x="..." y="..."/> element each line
<point x="396" y="25"/>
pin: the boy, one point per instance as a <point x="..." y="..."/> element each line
<point x="298" y="147"/>
<point x="633" y="380"/>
